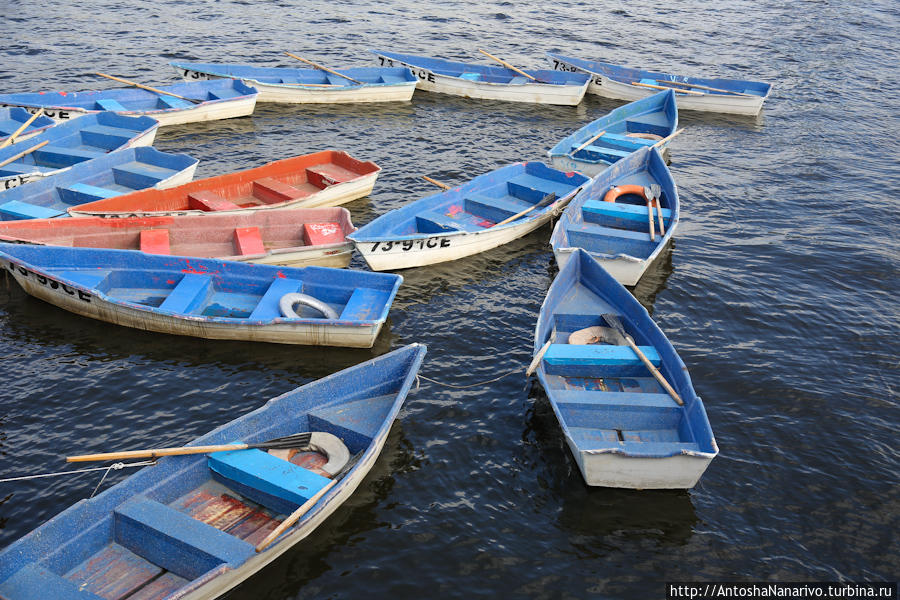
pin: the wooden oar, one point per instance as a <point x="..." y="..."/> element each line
<point x="148" y="88"/>
<point x="703" y="87"/>
<point x="548" y="199"/>
<point x="615" y="323"/>
<point x="587" y="143"/>
<point x="652" y="193"/>
<point x="667" y="138"/>
<point x="507" y="65"/>
<point x="663" y="87"/>
<point x="12" y="138"/>
<point x="23" y="153"/>
<point x="650" y="219"/>
<point x="662" y="229"/>
<point x="327" y="70"/>
<point x="436" y="182"/>
<point x="306" y="506"/>
<point x="297" y="440"/>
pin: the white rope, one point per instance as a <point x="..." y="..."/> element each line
<point x="113" y="467"/>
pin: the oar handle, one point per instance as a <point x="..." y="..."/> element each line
<point x="148" y="88"/>
<point x="548" y="199"/>
<point x="662" y="229"/>
<point x="23" y="153"/>
<point x="665" y="87"/>
<point x="23" y="127"/>
<point x="327" y="70"/>
<point x="507" y="65"/>
<point x="587" y="143"/>
<point x="184" y="450"/>
<point x="659" y="376"/>
<point x="295" y="516"/>
<point x="436" y="182"/>
<point x="667" y="138"/>
<point x="703" y="87"/>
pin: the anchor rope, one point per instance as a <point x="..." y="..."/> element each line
<point x="462" y="387"/>
<point x="113" y="467"/>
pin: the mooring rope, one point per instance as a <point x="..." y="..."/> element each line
<point x="112" y="467"/>
<point x="462" y="387"/>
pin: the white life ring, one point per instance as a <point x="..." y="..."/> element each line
<point x="289" y="301"/>
<point x="324" y="443"/>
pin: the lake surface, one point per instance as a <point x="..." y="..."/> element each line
<point x="779" y="293"/>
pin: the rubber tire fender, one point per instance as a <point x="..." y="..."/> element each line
<point x="289" y="301"/>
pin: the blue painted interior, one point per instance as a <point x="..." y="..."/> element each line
<point x="292" y="75"/>
<point x="88" y="180"/>
<point x="138" y="521"/>
<point x="604" y="397"/>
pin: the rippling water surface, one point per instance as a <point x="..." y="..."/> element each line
<point x="779" y="293"/>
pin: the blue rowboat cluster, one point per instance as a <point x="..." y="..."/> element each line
<point x="209" y="514"/>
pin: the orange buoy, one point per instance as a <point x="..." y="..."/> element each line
<point x="621" y="190"/>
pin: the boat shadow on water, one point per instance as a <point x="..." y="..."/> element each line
<point x="605" y="518"/>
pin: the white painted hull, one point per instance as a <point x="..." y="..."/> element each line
<point x="333" y="255"/>
<point x="536" y="93"/>
<point x="608" y="469"/>
<point x="241" y="106"/>
<point x="720" y="103"/>
<point x="407" y="252"/>
<point x="330" y="503"/>
<point x="627" y="271"/>
<point x="334" y="195"/>
<point x="16" y="180"/>
<point x="85" y="303"/>
<point x="307" y="94"/>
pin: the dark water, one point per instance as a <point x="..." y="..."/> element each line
<point x="779" y="293"/>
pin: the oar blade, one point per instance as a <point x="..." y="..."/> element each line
<point x="297" y="440"/>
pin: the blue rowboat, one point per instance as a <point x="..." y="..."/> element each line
<point x="303" y="86"/>
<point x="207" y="298"/>
<point x="611" y="220"/>
<point x="11" y="119"/>
<point x="734" y="96"/>
<point x="645" y="122"/>
<point x="188" y="526"/>
<point x="112" y="174"/>
<point x="73" y="142"/>
<point x="221" y="99"/>
<point x="490" y="210"/>
<point x="621" y="425"/>
<point x="473" y="80"/>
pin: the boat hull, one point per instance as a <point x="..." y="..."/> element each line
<point x="87" y="304"/>
<point x="418" y="251"/>
<point x="305" y="94"/>
<point x="534" y="93"/>
<point x="603" y="85"/>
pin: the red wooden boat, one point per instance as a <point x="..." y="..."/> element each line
<point x="327" y="178"/>
<point x="290" y="237"/>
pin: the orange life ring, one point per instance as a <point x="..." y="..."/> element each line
<point x="621" y="190"/>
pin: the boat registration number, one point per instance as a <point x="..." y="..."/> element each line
<point x="423" y="74"/>
<point x="48" y="112"/>
<point x="52" y="283"/>
<point x="188" y="74"/>
<point x="407" y="245"/>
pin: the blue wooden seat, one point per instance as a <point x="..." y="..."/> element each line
<point x="493" y="208"/>
<point x="587" y="438"/>
<point x="434" y="222"/>
<point x="269" y="475"/>
<point x="598" y="360"/>
<point x="267" y="308"/>
<point x="365" y="304"/>
<point x="14" y="210"/>
<point x="626" y="139"/>
<point x="172" y="102"/>
<point x="89" y="279"/>
<point x="61" y="156"/>
<point x="656" y="123"/>
<point x="626" y="216"/>
<point x="80" y="193"/>
<point x="110" y="104"/>
<point x="34" y="582"/>
<point x="604" y="153"/>
<point x="174" y="540"/>
<point x="189" y="295"/>
<point x="137" y="175"/>
<point x="606" y="240"/>
<point x="104" y="136"/>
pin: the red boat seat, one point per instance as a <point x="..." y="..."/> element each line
<point x="155" y="241"/>
<point x="247" y="240"/>
<point x="316" y="234"/>
<point x="272" y="191"/>
<point x="210" y="201"/>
